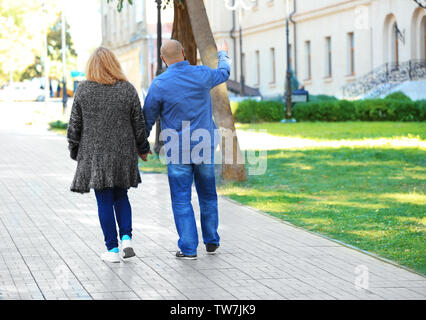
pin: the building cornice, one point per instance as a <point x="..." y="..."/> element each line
<point x="332" y="9"/>
<point x="298" y="17"/>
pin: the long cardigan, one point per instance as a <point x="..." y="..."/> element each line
<point x="105" y="133"/>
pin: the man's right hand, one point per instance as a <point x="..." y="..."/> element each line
<point x="223" y="46"/>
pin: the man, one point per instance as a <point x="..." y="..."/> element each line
<point x="181" y="97"/>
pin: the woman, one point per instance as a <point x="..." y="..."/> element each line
<point x="106" y="132"/>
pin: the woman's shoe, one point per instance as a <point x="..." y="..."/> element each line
<point x="110" y="256"/>
<point x="127" y="248"/>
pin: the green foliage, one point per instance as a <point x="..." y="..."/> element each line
<point x="250" y="111"/>
<point x="21" y="34"/>
<point x="321" y="97"/>
<point x="398" y="96"/>
<point x="389" y="109"/>
<point x="58" y="124"/>
<point x="54" y="41"/>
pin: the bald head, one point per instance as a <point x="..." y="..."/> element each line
<point x="172" y="52"/>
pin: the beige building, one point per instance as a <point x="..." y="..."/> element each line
<point x="332" y="42"/>
<point x="132" y="35"/>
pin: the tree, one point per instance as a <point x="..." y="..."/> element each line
<point x="221" y="107"/>
<point x="182" y="31"/>
<point x="54" y="51"/>
<point x="203" y="39"/>
<point x="21" y="34"/>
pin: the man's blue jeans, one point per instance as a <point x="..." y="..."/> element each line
<point x="108" y="200"/>
<point x="181" y="177"/>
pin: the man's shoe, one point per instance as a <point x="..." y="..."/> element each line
<point x="110" y="256"/>
<point x="211" y="248"/>
<point x="180" y="255"/>
<point x="126" y="246"/>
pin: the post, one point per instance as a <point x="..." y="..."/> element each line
<point x="288" y="78"/>
<point x="242" y="90"/>
<point x="45" y="61"/>
<point x="64" y="67"/>
<point x="158" y="144"/>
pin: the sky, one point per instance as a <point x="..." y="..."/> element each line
<point x="84" y="18"/>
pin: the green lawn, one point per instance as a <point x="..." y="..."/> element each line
<point x="342" y="130"/>
<point x="370" y="198"/>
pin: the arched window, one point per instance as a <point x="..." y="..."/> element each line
<point x="390" y="40"/>
<point x="395" y="45"/>
<point x="418" y="30"/>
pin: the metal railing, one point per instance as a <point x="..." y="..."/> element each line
<point x="389" y="73"/>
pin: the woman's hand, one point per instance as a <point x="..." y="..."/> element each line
<point x="144" y="157"/>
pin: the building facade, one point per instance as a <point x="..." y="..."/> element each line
<point x="132" y="35"/>
<point x="332" y="42"/>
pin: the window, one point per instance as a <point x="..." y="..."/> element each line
<point x="106" y="35"/>
<point x="308" y="59"/>
<point x="139" y="11"/>
<point x="257" y="56"/>
<point x="328" y="61"/>
<point x="396" y="46"/>
<point x="273" y="67"/>
<point x="351" y="54"/>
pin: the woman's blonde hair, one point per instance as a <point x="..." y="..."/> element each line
<point x="104" y="67"/>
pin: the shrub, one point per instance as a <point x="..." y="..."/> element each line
<point x="364" y="110"/>
<point x="249" y="111"/>
<point x="246" y="111"/>
<point x="321" y="97"/>
<point x="58" y="124"/>
<point x="270" y="111"/>
<point x="394" y="108"/>
<point x="398" y="95"/>
<point x="421" y="106"/>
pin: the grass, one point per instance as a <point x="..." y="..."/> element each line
<point x="342" y="130"/>
<point x="370" y="198"/>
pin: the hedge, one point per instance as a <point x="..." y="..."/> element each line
<point x="259" y="111"/>
<point x="364" y="110"/>
<point x="395" y="107"/>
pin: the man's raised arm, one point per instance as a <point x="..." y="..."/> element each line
<point x="223" y="71"/>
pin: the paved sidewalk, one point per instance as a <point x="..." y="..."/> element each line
<point x="50" y="242"/>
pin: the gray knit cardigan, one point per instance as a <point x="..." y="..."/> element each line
<point x="105" y="133"/>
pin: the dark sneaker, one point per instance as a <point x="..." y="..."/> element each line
<point x="211" y="248"/>
<point x="180" y="255"/>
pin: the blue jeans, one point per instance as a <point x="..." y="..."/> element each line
<point x="108" y="200"/>
<point x="181" y="177"/>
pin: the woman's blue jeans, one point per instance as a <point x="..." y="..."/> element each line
<point x="110" y="200"/>
<point x="181" y="177"/>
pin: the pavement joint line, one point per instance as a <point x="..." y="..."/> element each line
<point x="29" y="269"/>
<point x="46" y="239"/>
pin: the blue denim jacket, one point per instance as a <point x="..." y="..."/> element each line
<point x="182" y="94"/>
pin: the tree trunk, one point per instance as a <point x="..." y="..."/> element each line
<point x="182" y="31"/>
<point x="203" y="36"/>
